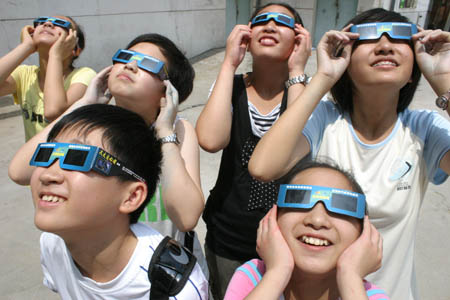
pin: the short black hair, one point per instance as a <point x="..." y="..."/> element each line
<point x="126" y="135"/>
<point x="80" y="35"/>
<point x="342" y="90"/>
<point x="297" y="18"/>
<point x="181" y="72"/>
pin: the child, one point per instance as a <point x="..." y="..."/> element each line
<point x="319" y="245"/>
<point x="44" y="92"/>
<point x="139" y="87"/>
<point x="240" y="110"/>
<point x="93" y="247"/>
<point x="369" y="130"/>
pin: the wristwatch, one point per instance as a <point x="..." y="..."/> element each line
<point x="172" y="138"/>
<point x="305" y="79"/>
<point x="442" y="101"/>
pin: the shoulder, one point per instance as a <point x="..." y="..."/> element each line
<point x="253" y="269"/>
<point x="374" y="292"/>
<point x="146" y="233"/>
<point x="51" y="242"/>
<point x="421" y="122"/>
<point x="25" y="70"/>
<point x="82" y="75"/>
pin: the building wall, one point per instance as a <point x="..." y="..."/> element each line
<point x="194" y="25"/>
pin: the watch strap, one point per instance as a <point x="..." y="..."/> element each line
<point x="303" y="78"/>
<point x="171" y="138"/>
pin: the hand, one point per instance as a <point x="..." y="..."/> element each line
<point x="301" y="52"/>
<point x="272" y="247"/>
<point x="96" y="91"/>
<point x="364" y="255"/>
<point x="334" y="51"/>
<point x="168" y="111"/>
<point x="237" y="43"/>
<point x="432" y="48"/>
<point x="65" y="44"/>
<point x="26" y="37"/>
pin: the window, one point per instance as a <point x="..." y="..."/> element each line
<point x="407" y="4"/>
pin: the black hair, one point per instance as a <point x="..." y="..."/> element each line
<point x="342" y="90"/>
<point x="181" y="72"/>
<point x="81" y="39"/>
<point x="297" y="18"/>
<point x="140" y="151"/>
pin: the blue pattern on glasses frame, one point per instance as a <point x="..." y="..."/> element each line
<point x="145" y="62"/>
<point x="277" y="17"/>
<point x="338" y="201"/>
<point x="395" y="30"/>
<point x="82" y="158"/>
<point x="55" y="21"/>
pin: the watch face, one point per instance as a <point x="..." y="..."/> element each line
<point x="442" y="102"/>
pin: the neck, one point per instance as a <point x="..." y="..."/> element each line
<point x="268" y="77"/>
<point x="101" y="254"/>
<point x="311" y="287"/>
<point x="374" y="113"/>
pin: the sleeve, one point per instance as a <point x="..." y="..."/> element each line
<point x="83" y="75"/>
<point x="244" y="280"/>
<point x="374" y="293"/>
<point x="17" y="74"/>
<point x="48" y="280"/>
<point x="325" y="113"/>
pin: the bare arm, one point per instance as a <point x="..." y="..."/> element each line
<point x="13" y="59"/>
<point x="180" y="177"/>
<point x="19" y="169"/>
<point x="445" y="163"/>
<point x="284" y="145"/>
<point x="214" y="123"/>
<point x="56" y="99"/>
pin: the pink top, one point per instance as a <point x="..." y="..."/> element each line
<point x="247" y="276"/>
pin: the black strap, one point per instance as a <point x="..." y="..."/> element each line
<point x="189" y="240"/>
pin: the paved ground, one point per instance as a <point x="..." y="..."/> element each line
<point x="21" y="276"/>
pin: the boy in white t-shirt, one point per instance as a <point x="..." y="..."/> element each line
<point x="92" y="181"/>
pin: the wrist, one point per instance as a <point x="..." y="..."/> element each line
<point x="29" y="48"/>
<point x="299" y="79"/>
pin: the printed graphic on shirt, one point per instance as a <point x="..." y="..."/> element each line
<point x="400" y="171"/>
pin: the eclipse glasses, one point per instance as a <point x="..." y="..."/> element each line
<point x="55" y="21"/>
<point x="145" y="62"/>
<point x="82" y="158"/>
<point x="395" y="30"/>
<point x="337" y="201"/>
<point x="277" y="17"/>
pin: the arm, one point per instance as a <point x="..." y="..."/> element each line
<point x="180" y="176"/>
<point x="361" y="258"/>
<point x="56" y="99"/>
<point x="285" y="138"/>
<point x="19" y="169"/>
<point x="13" y="59"/>
<point x="214" y="123"/>
<point x="273" y="249"/>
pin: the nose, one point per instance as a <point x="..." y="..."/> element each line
<point x="270" y="26"/>
<point x="52" y="175"/>
<point x="48" y="24"/>
<point x="317" y="217"/>
<point x="132" y="66"/>
<point x="384" y="46"/>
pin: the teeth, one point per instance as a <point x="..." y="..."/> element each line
<point x="314" y="241"/>
<point x="51" y="198"/>
<point x="385" y="63"/>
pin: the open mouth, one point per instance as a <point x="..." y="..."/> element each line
<point x="53" y="199"/>
<point x="385" y="63"/>
<point x="314" y="241"/>
<point x="266" y="40"/>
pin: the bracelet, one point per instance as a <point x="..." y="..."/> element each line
<point x="172" y="138"/>
<point x="304" y="79"/>
<point x="442" y="101"/>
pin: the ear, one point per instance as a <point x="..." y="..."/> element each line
<point x="134" y="196"/>
<point x="77" y="51"/>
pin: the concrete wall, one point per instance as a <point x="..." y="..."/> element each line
<point x="194" y="25"/>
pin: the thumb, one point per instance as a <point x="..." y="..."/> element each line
<point x="163" y="102"/>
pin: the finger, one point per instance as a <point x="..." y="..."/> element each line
<point x="347" y="28"/>
<point x="173" y="93"/>
<point x="163" y="102"/>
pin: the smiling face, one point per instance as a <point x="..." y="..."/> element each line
<point x="272" y="39"/>
<point x="136" y="89"/>
<point x="381" y="62"/>
<point x="316" y="237"/>
<point x="70" y="201"/>
<point x="47" y="33"/>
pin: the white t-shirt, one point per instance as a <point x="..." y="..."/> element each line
<point x="62" y="276"/>
<point x="394" y="175"/>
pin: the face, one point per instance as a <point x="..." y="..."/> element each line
<point x="316" y="237"/>
<point x="272" y="39"/>
<point x="70" y="201"/>
<point x="136" y="89"/>
<point x="381" y="62"/>
<point x="47" y="33"/>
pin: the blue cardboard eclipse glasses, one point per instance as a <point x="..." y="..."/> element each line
<point x="145" y="62"/>
<point x="83" y="158"/>
<point x="395" y="30"/>
<point x="277" y="17"/>
<point x="338" y="201"/>
<point x="55" y="21"/>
